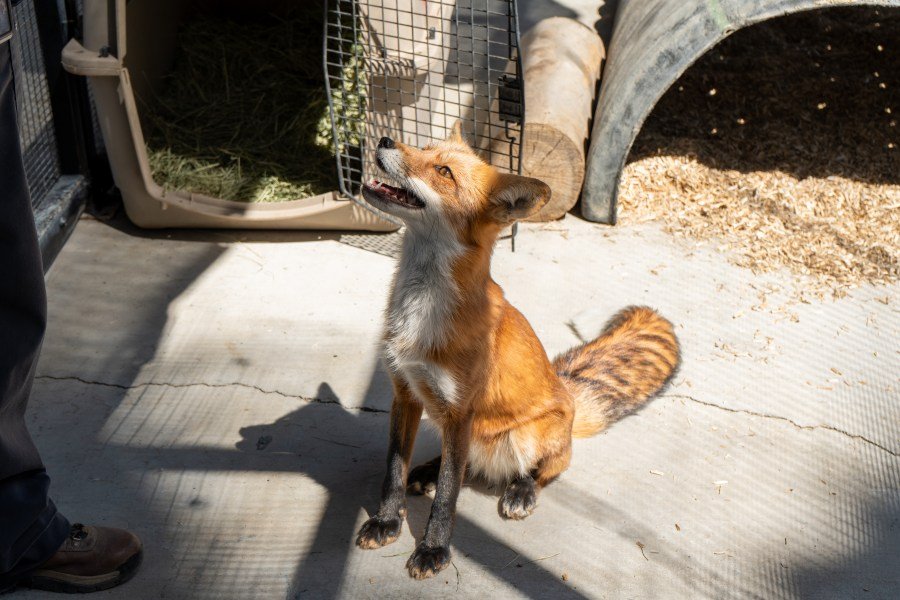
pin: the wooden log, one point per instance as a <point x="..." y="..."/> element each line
<point x="561" y="62"/>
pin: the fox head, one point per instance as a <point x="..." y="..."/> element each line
<point x="448" y="184"/>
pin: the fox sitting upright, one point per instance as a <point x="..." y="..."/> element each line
<point x="456" y="348"/>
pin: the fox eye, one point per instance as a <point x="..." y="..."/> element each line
<point x="444" y="171"/>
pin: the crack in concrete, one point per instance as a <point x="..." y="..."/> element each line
<point x="754" y="413"/>
<point x="311" y="400"/>
<point x="369" y="409"/>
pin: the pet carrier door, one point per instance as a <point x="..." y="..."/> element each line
<point x="410" y="69"/>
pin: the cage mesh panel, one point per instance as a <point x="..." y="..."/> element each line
<point x="386" y="244"/>
<point x="38" y="139"/>
<point x="409" y="69"/>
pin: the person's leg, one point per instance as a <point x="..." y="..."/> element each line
<point x="38" y="547"/>
<point x="31" y="531"/>
<point x="30" y="528"/>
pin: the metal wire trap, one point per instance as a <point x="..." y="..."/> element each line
<point x="409" y="69"/>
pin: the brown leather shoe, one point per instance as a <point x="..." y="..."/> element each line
<point x="91" y="559"/>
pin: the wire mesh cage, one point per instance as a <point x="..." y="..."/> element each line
<point x="40" y="154"/>
<point x="410" y="69"/>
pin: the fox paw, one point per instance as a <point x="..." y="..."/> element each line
<point x="427" y="562"/>
<point x="423" y="479"/>
<point x="378" y="532"/>
<point x="519" y="500"/>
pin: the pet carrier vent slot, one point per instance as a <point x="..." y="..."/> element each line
<point x="510" y="93"/>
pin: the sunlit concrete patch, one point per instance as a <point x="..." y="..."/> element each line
<point x="743" y="506"/>
<point x="278" y="316"/>
<point x="753" y="342"/>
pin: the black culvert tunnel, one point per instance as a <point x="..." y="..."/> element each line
<point x="654" y="42"/>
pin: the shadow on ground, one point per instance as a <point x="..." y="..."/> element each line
<point x="349" y="494"/>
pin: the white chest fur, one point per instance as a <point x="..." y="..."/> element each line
<point x="510" y="455"/>
<point x="430" y="382"/>
<point x="421" y="306"/>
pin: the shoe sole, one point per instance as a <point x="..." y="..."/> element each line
<point x="75" y="584"/>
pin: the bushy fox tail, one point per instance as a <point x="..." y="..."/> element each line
<point x="628" y="364"/>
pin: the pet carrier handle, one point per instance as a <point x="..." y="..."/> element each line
<point x="78" y="60"/>
<point x="102" y="51"/>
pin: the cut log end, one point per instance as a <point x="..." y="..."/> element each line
<point x="557" y="161"/>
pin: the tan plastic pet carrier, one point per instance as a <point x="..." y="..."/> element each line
<point x="125" y="45"/>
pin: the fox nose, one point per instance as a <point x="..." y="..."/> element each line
<point x="386" y="142"/>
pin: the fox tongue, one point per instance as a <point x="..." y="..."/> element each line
<point x="389" y="189"/>
<point x="394" y="194"/>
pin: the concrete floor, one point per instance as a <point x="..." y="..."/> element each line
<point x="220" y="393"/>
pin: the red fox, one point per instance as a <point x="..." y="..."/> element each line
<point x="456" y="348"/>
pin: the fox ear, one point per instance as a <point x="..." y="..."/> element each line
<point x="515" y="197"/>
<point x="456" y="134"/>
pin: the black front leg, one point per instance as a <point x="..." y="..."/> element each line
<point x="384" y="527"/>
<point x="433" y="554"/>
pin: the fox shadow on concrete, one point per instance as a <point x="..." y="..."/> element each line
<point x="353" y="486"/>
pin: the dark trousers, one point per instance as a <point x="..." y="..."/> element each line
<point x="31" y="530"/>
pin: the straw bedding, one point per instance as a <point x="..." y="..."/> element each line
<point x="243" y="115"/>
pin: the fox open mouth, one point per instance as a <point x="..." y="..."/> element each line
<point x="378" y="190"/>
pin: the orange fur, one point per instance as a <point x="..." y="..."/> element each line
<point x="635" y="356"/>
<point x="507" y="384"/>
